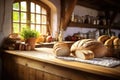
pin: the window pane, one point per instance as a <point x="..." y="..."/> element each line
<point x="23" y="26"/>
<point x="44" y="29"/>
<point x="32" y="27"/>
<point x="38" y="28"/>
<point x="38" y="19"/>
<point x="23" y="17"/>
<point x="15" y="28"/>
<point x="38" y="9"/>
<point x="16" y="6"/>
<point x="36" y="16"/>
<point x="44" y="19"/>
<point x="32" y="18"/>
<point x="15" y="16"/>
<point x="32" y="7"/>
<point x="23" y="6"/>
<point x="44" y="11"/>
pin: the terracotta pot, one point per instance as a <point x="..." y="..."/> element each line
<point x="31" y="42"/>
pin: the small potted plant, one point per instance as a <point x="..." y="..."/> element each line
<point x="29" y="36"/>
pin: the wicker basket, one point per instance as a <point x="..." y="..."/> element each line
<point x="113" y="51"/>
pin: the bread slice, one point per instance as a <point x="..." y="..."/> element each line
<point x="61" y="49"/>
<point x="84" y="54"/>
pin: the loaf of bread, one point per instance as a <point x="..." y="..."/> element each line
<point x="61" y="49"/>
<point x="103" y="38"/>
<point x="109" y="43"/>
<point x="112" y="44"/>
<point x="113" y="37"/>
<point x="98" y="48"/>
<point x="78" y="44"/>
<point x="116" y="43"/>
<point x="84" y="54"/>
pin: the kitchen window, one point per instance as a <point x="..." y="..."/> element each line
<point x="31" y="13"/>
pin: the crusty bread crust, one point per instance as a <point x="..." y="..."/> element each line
<point x="74" y="46"/>
<point x="112" y="44"/>
<point x="79" y="44"/>
<point x="109" y="43"/>
<point x="89" y="44"/>
<point x="116" y="43"/>
<point x="103" y="38"/>
<point x="61" y="49"/>
<point x="113" y="37"/>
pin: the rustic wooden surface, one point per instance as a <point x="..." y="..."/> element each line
<point x="42" y="63"/>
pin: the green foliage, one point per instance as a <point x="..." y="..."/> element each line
<point x="16" y="6"/>
<point x="28" y="33"/>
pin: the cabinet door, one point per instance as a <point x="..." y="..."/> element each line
<point x="48" y="76"/>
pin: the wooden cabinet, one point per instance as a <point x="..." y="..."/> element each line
<point x="17" y="67"/>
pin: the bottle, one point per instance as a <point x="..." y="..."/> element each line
<point x="56" y="36"/>
<point x="60" y="36"/>
<point x="72" y="17"/>
<point x="86" y="19"/>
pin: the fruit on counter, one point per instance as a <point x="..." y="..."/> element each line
<point x="40" y="39"/>
<point x="49" y="38"/>
<point x="68" y="38"/>
<point x="74" y="38"/>
<point x="71" y="38"/>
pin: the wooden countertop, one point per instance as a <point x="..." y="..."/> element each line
<point x="47" y="55"/>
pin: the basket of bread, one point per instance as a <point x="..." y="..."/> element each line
<point x="87" y="49"/>
<point x="112" y="44"/>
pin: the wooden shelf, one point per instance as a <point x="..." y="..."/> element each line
<point x="116" y="27"/>
<point x="74" y="24"/>
<point x="68" y="6"/>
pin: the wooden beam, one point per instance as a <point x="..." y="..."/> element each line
<point x="66" y="10"/>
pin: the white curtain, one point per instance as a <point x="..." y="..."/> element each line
<point x="2" y="12"/>
<point x="5" y="18"/>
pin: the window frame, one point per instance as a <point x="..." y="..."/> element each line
<point x="43" y="5"/>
